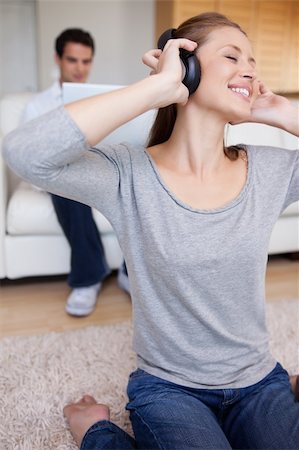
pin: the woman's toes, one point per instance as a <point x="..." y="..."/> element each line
<point x="89" y="399"/>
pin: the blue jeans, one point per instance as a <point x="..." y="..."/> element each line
<point x="88" y="262"/>
<point x="165" y="415"/>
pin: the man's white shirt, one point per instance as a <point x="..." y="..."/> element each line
<point x="43" y="102"/>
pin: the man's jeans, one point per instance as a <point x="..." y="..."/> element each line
<point x="165" y="415"/>
<point x="88" y="261"/>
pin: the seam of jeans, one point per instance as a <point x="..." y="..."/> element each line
<point x="232" y="400"/>
<point x="154" y="435"/>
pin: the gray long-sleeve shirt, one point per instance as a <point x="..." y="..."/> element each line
<point x="196" y="276"/>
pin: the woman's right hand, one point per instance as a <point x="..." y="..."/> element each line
<point x="167" y="65"/>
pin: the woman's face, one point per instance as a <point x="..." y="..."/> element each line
<point x="228" y="83"/>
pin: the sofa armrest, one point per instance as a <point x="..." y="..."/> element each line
<point x="3" y="203"/>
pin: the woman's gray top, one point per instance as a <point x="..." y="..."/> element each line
<point x="196" y="276"/>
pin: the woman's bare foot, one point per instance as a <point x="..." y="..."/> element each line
<point x="83" y="414"/>
<point x="294" y="380"/>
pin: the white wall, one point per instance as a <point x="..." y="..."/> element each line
<point x="123" y="30"/>
<point x="18" y="65"/>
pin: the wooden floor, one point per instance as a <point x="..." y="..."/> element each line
<point x="36" y="306"/>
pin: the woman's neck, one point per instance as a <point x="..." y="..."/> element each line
<point x="196" y="143"/>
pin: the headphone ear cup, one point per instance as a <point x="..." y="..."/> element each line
<point x="190" y="62"/>
<point x="192" y="70"/>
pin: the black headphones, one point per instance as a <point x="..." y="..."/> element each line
<point x="192" y="68"/>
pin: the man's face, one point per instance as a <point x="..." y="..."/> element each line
<point x="75" y="63"/>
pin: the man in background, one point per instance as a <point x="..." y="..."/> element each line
<point x="74" y="56"/>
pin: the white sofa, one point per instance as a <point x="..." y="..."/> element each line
<point x="31" y="240"/>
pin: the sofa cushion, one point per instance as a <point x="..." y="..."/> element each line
<point x="30" y="212"/>
<point x="292" y="210"/>
<point x="11" y="109"/>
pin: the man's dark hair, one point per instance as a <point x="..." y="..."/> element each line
<point x="73" y="35"/>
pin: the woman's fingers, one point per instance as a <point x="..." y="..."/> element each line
<point x="263" y="89"/>
<point x="151" y="58"/>
<point x="186" y="44"/>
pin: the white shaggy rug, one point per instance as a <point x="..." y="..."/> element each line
<point x="40" y="374"/>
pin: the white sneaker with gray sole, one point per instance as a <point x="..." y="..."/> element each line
<point x="82" y="301"/>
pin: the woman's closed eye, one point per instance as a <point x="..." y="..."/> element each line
<point x="233" y="58"/>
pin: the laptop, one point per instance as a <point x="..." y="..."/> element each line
<point x="135" y="132"/>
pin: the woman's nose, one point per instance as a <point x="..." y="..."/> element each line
<point x="249" y="73"/>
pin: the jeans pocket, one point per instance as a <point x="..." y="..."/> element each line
<point x="137" y="382"/>
<point x="278" y="373"/>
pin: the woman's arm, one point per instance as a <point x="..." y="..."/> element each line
<point x="99" y="115"/>
<point x="53" y="151"/>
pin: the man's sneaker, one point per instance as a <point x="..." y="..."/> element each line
<point x="123" y="279"/>
<point x="82" y="301"/>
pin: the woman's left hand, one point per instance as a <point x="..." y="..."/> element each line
<point x="275" y="110"/>
<point x="268" y="107"/>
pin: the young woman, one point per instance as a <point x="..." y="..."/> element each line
<point x="205" y="377"/>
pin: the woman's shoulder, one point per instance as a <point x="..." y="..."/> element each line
<point x="272" y="158"/>
<point x="268" y="152"/>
